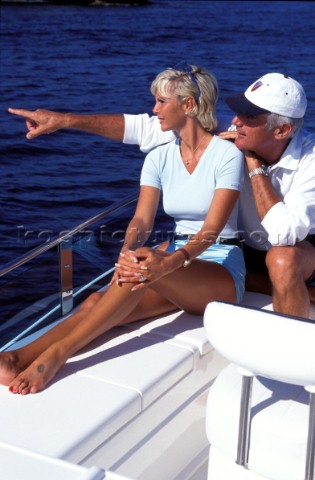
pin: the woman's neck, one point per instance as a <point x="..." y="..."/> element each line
<point x="193" y="144"/>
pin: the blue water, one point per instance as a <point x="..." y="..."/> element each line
<point x="102" y="59"/>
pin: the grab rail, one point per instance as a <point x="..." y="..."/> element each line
<point x="62" y="238"/>
<point x="65" y="254"/>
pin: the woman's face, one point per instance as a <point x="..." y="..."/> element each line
<point x="170" y="112"/>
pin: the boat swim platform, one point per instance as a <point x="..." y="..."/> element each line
<point x="131" y="405"/>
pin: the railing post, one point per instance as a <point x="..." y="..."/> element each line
<point x="245" y="418"/>
<point x="310" y="450"/>
<point x="66" y="276"/>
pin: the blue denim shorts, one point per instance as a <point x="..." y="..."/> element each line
<point x="229" y="256"/>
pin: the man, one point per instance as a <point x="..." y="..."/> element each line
<point x="277" y="204"/>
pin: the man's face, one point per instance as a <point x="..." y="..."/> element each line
<point x="252" y="133"/>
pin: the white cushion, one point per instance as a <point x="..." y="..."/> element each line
<point x="263" y="343"/>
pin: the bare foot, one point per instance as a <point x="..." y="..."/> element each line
<point x="9" y="367"/>
<point x="39" y="373"/>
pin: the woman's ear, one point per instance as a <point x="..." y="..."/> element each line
<point x="189" y="104"/>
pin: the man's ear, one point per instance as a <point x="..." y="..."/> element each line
<point x="282" y="132"/>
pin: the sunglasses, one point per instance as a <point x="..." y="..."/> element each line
<point x="184" y="66"/>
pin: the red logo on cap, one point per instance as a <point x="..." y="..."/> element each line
<point x="257" y="85"/>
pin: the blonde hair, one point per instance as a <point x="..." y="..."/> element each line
<point x="191" y="81"/>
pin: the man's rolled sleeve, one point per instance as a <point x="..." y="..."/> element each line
<point x="145" y="131"/>
<point x="286" y="226"/>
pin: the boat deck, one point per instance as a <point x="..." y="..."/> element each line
<point x="133" y="402"/>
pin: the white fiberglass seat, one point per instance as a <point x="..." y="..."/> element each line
<point x="20" y="463"/>
<point x="261" y="408"/>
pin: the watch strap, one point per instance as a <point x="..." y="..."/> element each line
<point x="258" y="171"/>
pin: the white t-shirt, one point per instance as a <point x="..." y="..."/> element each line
<point x="187" y="197"/>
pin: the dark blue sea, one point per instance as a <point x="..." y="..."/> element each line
<point x="93" y="59"/>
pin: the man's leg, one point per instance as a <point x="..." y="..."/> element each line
<point x="289" y="268"/>
<point x="257" y="278"/>
<point x="257" y="282"/>
<point x="311" y="292"/>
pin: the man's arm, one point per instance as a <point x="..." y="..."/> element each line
<point x="288" y="218"/>
<point x="141" y="129"/>
<point x="264" y="194"/>
<point x="41" y="122"/>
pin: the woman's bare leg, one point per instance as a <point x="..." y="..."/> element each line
<point x="15" y="361"/>
<point x="190" y="289"/>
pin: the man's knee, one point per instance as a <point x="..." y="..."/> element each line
<point x="282" y="261"/>
<point x="293" y="261"/>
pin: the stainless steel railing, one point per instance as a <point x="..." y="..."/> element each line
<point x="63" y="242"/>
<point x="62" y="238"/>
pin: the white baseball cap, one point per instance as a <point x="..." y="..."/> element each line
<point x="272" y="93"/>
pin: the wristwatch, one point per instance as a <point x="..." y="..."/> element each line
<point x="258" y="171"/>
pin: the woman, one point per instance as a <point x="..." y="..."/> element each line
<point x="200" y="175"/>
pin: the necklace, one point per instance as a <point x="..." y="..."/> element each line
<point x="187" y="162"/>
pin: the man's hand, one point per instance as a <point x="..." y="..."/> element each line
<point x="40" y="122"/>
<point x="228" y="135"/>
<point x="251" y="160"/>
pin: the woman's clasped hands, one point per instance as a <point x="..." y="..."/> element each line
<point x="140" y="266"/>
